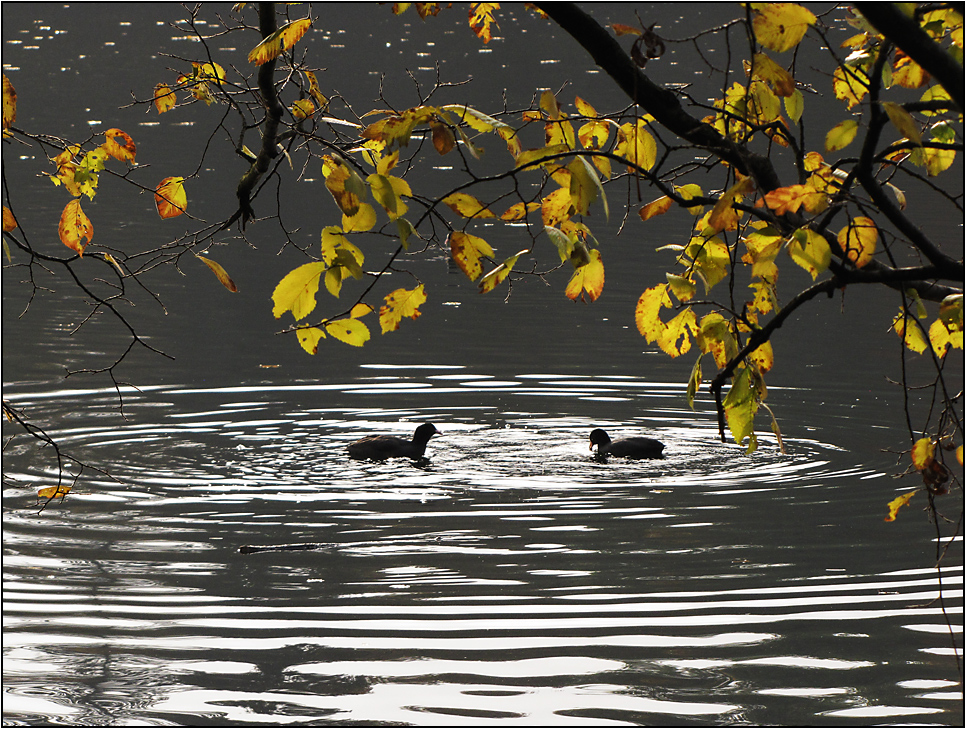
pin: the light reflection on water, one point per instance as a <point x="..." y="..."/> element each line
<point x="509" y="579"/>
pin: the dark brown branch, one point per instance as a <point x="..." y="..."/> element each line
<point x="906" y="34"/>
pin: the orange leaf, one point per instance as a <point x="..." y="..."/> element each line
<point x="481" y="18"/>
<point x="170" y="197"/>
<point x="622" y="29"/>
<point x="9" y="222"/>
<point x="125" y="152"/>
<point x="443" y="139"/>
<point x="74" y="226"/>
<point x="54" y="492"/>
<point x="655" y="207"/>
<point x="9" y="103"/>
<point x="282" y="40"/>
<point x="164" y="98"/>
<point x="221" y="274"/>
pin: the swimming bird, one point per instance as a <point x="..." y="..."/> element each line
<point x="633" y="448"/>
<point x="379" y="448"/>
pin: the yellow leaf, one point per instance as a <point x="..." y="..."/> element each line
<point x="858" y="240"/>
<point x="636" y="144"/>
<point x="351" y="331"/>
<point x="481" y="18"/>
<point x="467" y="206"/>
<point x="650" y="303"/>
<point x="896" y="504"/>
<point x="841" y="135"/>
<point x="75" y="226"/>
<point x="170" y="197"/>
<point x="314" y="91"/>
<point x="682" y="288"/>
<point x="810" y="251"/>
<point x="531" y="159"/>
<point x="556" y="207"/>
<point x="209" y="72"/>
<point x="850" y="85"/>
<point x="9" y="103"/>
<point x="901" y="119"/>
<point x="125" y="152"/>
<point x="9" y="222"/>
<point x="400" y="303"/>
<point x="710" y="257"/>
<point x="780" y="26"/>
<point x="655" y="207"/>
<point x="164" y="98"/>
<point x="763" y="357"/>
<point x="771" y="72"/>
<point x="716" y="337"/>
<point x="466" y="250"/>
<point x="309" y="338"/>
<point x="789" y="199"/>
<point x="282" y="40"/>
<point x="584" y="187"/>
<point x="519" y="211"/>
<point x="794" y="105"/>
<point x="687" y="192"/>
<point x="907" y="328"/>
<point x="941" y="337"/>
<point x="60" y="492"/>
<point x="297" y="291"/>
<point x="346" y="187"/>
<point x="723" y="217"/>
<point x="923" y="452"/>
<point x="302" y="109"/>
<point x="388" y="192"/>
<point x="363" y="220"/>
<point x="220" y="273"/>
<point x="675" y="338"/>
<point x="740" y="406"/>
<point x="495" y="277"/>
<point x="589" y="278"/>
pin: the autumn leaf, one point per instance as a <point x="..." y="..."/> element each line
<point x="858" y="240"/>
<point x="850" y="85"/>
<point x="125" y="152"/>
<point x="398" y="304"/>
<point x="9" y="222"/>
<point x="296" y="292"/>
<point x="467" y="206"/>
<point x="901" y="119"/>
<point x="655" y="207"/>
<point x="314" y="91"/>
<point x="164" y="98"/>
<point x="493" y="278"/>
<point x="388" y="191"/>
<point x="790" y="198"/>
<point x="9" y="103"/>
<point x="624" y="29"/>
<point x="220" y="273"/>
<point x="907" y="329"/>
<point x="841" y="135"/>
<point x="58" y="492"/>
<point x="518" y="211"/>
<point x="896" y="504"/>
<point x="556" y="207"/>
<point x="345" y="185"/>
<point x="443" y="139"/>
<point x="740" y="406"/>
<point x="922" y="453"/>
<point x="209" y="72"/>
<point x="170" y="197"/>
<point x="363" y="220"/>
<point x="466" y="250"/>
<point x="481" y="18"/>
<point x="282" y="40"/>
<point x="75" y="226"/>
<point x="723" y="216"/>
<point x="810" y="250"/>
<point x="302" y="109"/>
<point x="780" y="26"/>
<point x="782" y="82"/>
<point x="587" y="279"/>
<point x="585" y="187"/>
<point x="309" y="338"/>
<point x="351" y="331"/>
<point x="636" y="144"/>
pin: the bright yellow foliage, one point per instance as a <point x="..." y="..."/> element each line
<point x="481" y="18"/>
<point x="466" y="250"/>
<point x="9" y="103"/>
<point x="780" y="26"/>
<point x="841" y="135"/>
<point x="810" y="250"/>
<point x="282" y="40"/>
<point x="656" y="207"/>
<point x="858" y="240"/>
<point x="164" y="98"/>
<point x="398" y="304"/>
<point x="636" y="144"/>
<point x="170" y="197"/>
<point x="497" y="275"/>
<point x="896" y="504"/>
<point x="850" y="85"/>
<point x="587" y="279"/>
<point x="351" y="331"/>
<point x="467" y="206"/>
<point x="296" y="292"/>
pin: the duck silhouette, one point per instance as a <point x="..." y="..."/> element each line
<point x="379" y="448"/>
<point x="631" y="448"/>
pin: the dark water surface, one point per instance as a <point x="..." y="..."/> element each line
<point x="509" y="580"/>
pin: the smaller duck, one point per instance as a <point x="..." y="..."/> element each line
<point x="379" y="448"/>
<point x="633" y="448"/>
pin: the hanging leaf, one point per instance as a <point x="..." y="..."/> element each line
<point x="221" y="274"/>
<point x="398" y="304"/>
<point x="302" y="109"/>
<point x="481" y="18"/>
<point x="466" y="250"/>
<point x="75" y="226"/>
<point x="443" y="139"/>
<point x="296" y="292"/>
<point x="9" y="222"/>
<point x="496" y="276"/>
<point x="901" y="119"/>
<point x="164" y="98"/>
<point x="587" y="279"/>
<point x="907" y="329"/>
<point x="467" y="206"/>
<point x="841" y="135"/>
<point x="780" y="26"/>
<point x="282" y="40"/>
<point x="58" y="492"/>
<point x="810" y="251"/>
<point x="309" y="338"/>
<point x="858" y="240"/>
<point x="850" y="85"/>
<point x="125" y="152"/>
<point x="9" y="104"/>
<point x="170" y="197"/>
<point x="655" y="208"/>
<point x="351" y="331"/>
<point x="314" y="89"/>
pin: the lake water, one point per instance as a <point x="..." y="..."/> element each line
<point x="509" y="580"/>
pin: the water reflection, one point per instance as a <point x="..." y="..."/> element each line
<point x="511" y="578"/>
